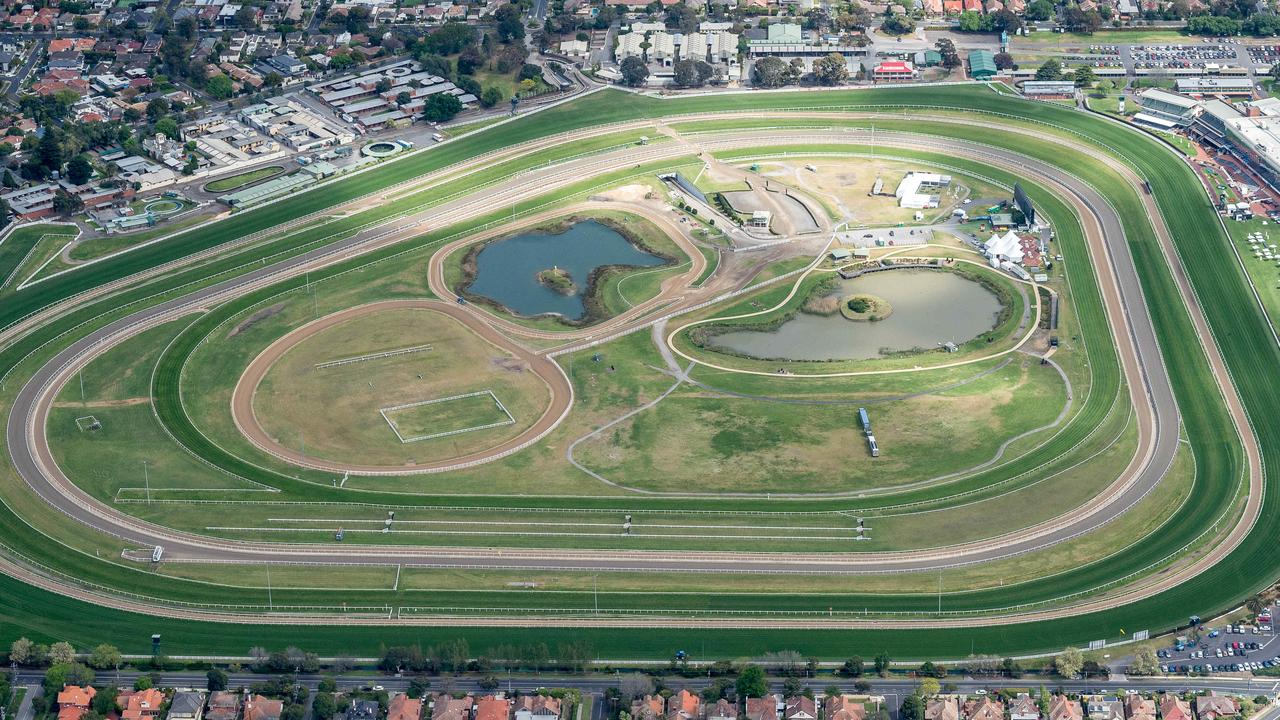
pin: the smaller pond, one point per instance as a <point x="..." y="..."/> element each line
<point x="929" y="307"/>
<point x="507" y="270"/>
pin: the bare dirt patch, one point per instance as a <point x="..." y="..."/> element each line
<point x="256" y="318"/>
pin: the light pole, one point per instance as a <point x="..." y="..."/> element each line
<point x="146" y="480"/>
<point x="595" y="591"/>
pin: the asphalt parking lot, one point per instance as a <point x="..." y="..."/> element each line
<point x="1220" y="650"/>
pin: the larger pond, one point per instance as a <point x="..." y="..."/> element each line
<point x="507" y="270"/>
<point x="929" y="308"/>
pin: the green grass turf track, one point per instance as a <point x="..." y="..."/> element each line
<point x="1240" y="328"/>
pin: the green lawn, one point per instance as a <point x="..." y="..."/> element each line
<point x="238" y="181"/>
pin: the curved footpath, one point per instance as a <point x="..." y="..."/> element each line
<point x="31" y="457"/>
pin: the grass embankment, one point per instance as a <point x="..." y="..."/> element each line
<point x="27" y="248"/>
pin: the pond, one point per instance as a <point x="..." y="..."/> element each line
<point x="507" y="270"/>
<point x="929" y="307"/>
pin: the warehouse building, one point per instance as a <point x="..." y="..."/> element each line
<point x="982" y="65"/>
<point x="915" y="189"/>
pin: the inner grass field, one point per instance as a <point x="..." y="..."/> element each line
<point x="1209" y="459"/>
<point x="341" y="413"/>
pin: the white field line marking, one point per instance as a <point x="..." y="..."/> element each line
<point x="824" y="538"/>
<point x="373" y="356"/>
<point x="562" y="524"/>
<point x="395" y="408"/>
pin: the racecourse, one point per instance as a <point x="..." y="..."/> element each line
<point x="1155" y="352"/>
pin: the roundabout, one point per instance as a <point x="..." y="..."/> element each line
<point x="1112" y="418"/>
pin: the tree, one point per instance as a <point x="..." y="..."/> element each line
<point x="634" y="686"/>
<point x="947" y="49"/>
<point x="20" y="650"/>
<point x="508" y="23"/>
<point x="691" y="73"/>
<point x="1255" y="604"/>
<point x="912" y="708"/>
<point x="1004" y="61"/>
<point x="929" y="687"/>
<point x="441" y="107"/>
<point x="1213" y="25"/>
<point x="219" y="86"/>
<point x="1084" y="76"/>
<point x="324" y="706"/>
<point x="1144" y="663"/>
<point x="104" y="703"/>
<point x="1069" y="662"/>
<point x="853" y="667"/>
<point x="883" y="662"/>
<point x="79" y="170"/>
<point x="492" y="95"/>
<point x="792" y="686"/>
<point x="1039" y="10"/>
<point x="216" y="680"/>
<point x="634" y="71"/>
<point x="751" y="682"/>
<point x="49" y="152"/>
<point x="1050" y="70"/>
<point x="830" y="69"/>
<point x="1011" y="668"/>
<point x="450" y="38"/>
<point x="682" y="18"/>
<point x="969" y="21"/>
<point x="772" y="71"/>
<point x="157" y="109"/>
<point x="62" y="653"/>
<point x="103" y="656"/>
<point x="901" y="24"/>
<point x="11" y="182"/>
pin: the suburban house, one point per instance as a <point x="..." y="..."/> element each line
<point x="1098" y="707"/>
<point x="73" y="701"/>
<point x="536" y="707"/>
<point x="724" y="710"/>
<point x="843" y="707"/>
<point x="1137" y="707"/>
<point x="649" y="707"/>
<point x="1173" y="707"/>
<point x="492" y="707"/>
<point x="800" y="707"/>
<point x="187" y="705"/>
<point x="1063" y="708"/>
<point x="1214" y="706"/>
<point x="984" y="708"/>
<point x="140" y="704"/>
<point x="448" y="707"/>
<point x="260" y="708"/>
<point x="684" y="705"/>
<point x="402" y="707"/>
<point x="942" y="708"/>
<point x="1024" y="707"/>
<point x="765" y="708"/>
<point x="223" y="705"/>
<point x="363" y="710"/>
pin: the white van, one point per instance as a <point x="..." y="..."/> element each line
<point x="437" y="137"/>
